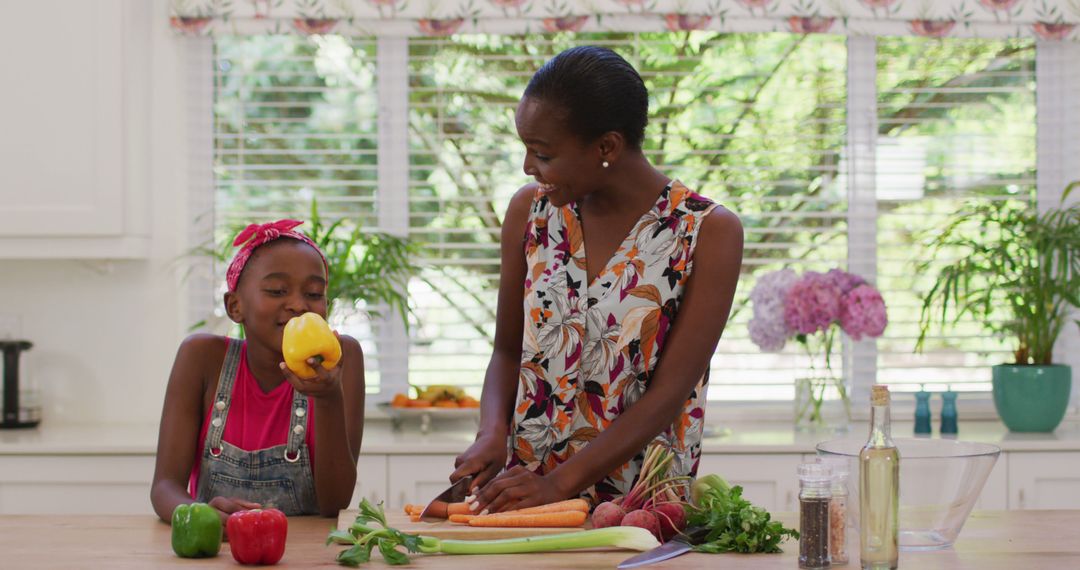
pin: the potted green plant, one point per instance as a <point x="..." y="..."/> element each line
<point x="369" y="267"/>
<point x="1017" y="272"/>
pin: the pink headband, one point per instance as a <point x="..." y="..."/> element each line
<point x="258" y="234"/>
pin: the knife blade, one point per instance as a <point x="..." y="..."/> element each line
<point x="435" y="511"/>
<point x="679" y="545"/>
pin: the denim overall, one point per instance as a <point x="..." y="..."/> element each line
<point x="278" y="477"/>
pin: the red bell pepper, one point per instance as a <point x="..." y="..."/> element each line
<point x="257" y="536"/>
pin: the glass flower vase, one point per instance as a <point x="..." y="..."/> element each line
<point x="822" y="404"/>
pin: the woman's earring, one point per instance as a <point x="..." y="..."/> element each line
<point x="606" y="164"/>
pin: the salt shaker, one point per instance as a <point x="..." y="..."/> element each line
<point x="838" y="511"/>
<point x="922" y="412"/>
<point x="948" y="413"/>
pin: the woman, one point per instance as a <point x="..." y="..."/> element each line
<point x="612" y="348"/>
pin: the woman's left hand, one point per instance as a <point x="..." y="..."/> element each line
<point x="516" y="489"/>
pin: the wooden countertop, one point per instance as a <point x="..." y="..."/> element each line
<point x="990" y="540"/>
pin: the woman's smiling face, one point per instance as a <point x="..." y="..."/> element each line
<point x="565" y="167"/>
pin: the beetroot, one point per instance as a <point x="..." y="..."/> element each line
<point x="607" y="514"/>
<point x="672" y="519"/>
<point x="644" y="519"/>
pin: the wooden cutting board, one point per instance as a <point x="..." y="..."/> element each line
<point x="447" y="529"/>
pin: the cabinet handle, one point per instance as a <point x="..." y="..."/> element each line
<point x="790" y="503"/>
<point x="401" y="500"/>
<point x="1021" y="493"/>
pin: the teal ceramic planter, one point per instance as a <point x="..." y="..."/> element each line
<point x="1032" y="398"/>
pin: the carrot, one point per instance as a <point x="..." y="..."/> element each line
<point x="414" y="518"/>
<point x="462" y="518"/>
<point x="559" y="507"/>
<point x="458" y="509"/>
<point x="546" y="520"/>
<point x="408" y="508"/>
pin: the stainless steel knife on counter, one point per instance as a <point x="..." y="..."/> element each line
<point x="680" y="544"/>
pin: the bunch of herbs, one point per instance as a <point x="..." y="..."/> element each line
<point x="734" y="524"/>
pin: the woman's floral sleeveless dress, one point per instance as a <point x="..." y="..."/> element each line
<point x="589" y="350"/>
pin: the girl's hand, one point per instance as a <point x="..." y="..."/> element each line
<point x="325" y="383"/>
<point x="483" y="460"/>
<point x="516" y="489"/>
<point x="228" y="505"/>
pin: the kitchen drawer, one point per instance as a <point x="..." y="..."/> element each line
<point x="1039" y="480"/>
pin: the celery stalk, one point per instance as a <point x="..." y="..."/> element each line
<point x="629" y="537"/>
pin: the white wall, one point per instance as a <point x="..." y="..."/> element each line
<point x="105" y="332"/>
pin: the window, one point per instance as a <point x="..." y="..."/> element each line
<point x="759" y="122"/>
<point x="295" y="121"/>
<point x="956" y="122"/>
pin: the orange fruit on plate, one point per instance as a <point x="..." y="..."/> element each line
<point x="419" y="404"/>
<point x="446" y="404"/>
<point x="400" y="401"/>
<point x="469" y="402"/>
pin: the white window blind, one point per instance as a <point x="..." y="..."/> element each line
<point x="295" y="121"/>
<point x="722" y="120"/>
<point x="758" y="122"/>
<point x="956" y="122"/>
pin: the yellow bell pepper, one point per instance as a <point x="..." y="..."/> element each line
<point x="308" y="336"/>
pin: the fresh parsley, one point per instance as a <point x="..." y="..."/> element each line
<point x="735" y="525"/>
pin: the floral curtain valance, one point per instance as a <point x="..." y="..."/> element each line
<point x="1044" y="19"/>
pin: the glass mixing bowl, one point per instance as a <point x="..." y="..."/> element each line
<point x="940" y="480"/>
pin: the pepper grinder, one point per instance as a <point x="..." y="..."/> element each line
<point x="17" y="414"/>
<point x="948" y="413"/>
<point x="922" y="412"/>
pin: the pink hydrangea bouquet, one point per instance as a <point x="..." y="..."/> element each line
<point x="811" y="309"/>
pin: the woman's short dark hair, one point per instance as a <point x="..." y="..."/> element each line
<point x="599" y="91"/>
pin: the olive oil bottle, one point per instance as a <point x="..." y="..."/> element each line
<point x="879" y="489"/>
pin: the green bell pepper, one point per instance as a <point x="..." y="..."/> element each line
<point x="196" y="531"/>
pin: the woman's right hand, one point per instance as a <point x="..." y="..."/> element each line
<point x="484" y="459"/>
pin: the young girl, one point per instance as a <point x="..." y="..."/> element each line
<point x="239" y="430"/>
<point x="626" y="278"/>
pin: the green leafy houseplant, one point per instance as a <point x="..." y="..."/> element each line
<point x="1017" y="272"/>
<point x="369" y="267"/>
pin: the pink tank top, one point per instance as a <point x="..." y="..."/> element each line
<point x="257" y="420"/>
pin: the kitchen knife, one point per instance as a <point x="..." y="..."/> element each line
<point x="435" y="511"/>
<point x="681" y="544"/>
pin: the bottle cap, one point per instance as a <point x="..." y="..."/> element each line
<point x="815" y="472"/>
<point x="879" y="395"/>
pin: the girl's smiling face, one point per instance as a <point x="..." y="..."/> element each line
<point x="565" y="167"/>
<point x="283" y="279"/>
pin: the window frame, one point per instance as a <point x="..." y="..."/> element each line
<point x="1057" y="84"/>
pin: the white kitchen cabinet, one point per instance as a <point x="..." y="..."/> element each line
<point x="74" y="136"/>
<point x="76" y="484"/>
<point x="770" y="481"/>
<point x="1044" y="480"/>
<point x="417" y="478"/>
<point x="370" y="479"/>
<point x="116" y="484"/>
